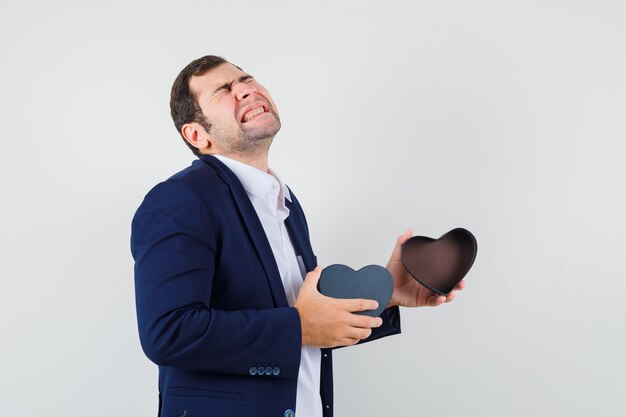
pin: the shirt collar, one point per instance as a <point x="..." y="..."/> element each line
<point x="255" y="181"/>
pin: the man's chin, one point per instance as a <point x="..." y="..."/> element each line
<point x="267" y="130"/>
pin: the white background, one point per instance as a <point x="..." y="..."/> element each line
<point x="503" y="117"/>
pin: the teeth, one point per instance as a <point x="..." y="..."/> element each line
<point x="248" y="116"/>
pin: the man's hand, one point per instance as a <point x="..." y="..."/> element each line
<point x="407" y="292"/>
<point x="329" y="322"/>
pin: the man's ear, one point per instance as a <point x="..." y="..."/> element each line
<point x="195" y="134"/>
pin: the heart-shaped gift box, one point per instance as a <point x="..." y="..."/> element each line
<point x="372" y="282"/>
<point x="440" y="264"/>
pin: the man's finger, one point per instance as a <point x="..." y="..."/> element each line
<point x="365" y="322"/>
<point x="357" y="304"/>
<point x="435" y="300"/>
<point x="450" y="296"/>
<point x="358" y="333"/>
<point x="347" y="341"/>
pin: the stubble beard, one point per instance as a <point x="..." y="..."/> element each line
<point x="245" y="142"/>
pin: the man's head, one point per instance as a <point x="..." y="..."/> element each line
<point x="218" y="108"/>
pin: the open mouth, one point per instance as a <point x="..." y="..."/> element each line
<point x="252" y="113"/>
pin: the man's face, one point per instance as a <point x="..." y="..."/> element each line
<point x="243" y="117"/>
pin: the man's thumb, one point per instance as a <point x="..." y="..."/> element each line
<point x="313" y="277"/>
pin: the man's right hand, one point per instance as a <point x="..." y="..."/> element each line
<point x="329" y="322"/>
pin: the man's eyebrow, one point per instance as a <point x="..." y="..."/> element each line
<point x="228" y="86"/>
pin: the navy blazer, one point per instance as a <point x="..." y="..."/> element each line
<point x="211" y="307"/>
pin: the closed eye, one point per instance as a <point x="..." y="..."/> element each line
<point x="227" y="87"/>
<point x="218" y="93"/>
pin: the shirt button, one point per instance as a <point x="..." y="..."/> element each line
<point x="261" y="370"/>
<point x="276" y="371"/>
<point x="289" y="413"/>
<point x="325" y="355"/>
<point x="252" y="371"/>
<point x="268" y="370"/>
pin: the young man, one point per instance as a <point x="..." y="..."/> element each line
<point x="221" y="249"/>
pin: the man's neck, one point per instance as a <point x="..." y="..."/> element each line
<point x="259" y="161"/>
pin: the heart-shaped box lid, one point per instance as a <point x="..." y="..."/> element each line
<point x="372" y="282"/>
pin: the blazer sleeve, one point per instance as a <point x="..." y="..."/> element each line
<point x="390" y="326"/>
<point x="174" y="246"/>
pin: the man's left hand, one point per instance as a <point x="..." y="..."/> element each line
<point x="407" y="292"/>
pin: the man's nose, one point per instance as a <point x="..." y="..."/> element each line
<point x="244" y="90"/>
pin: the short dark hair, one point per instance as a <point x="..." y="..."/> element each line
<point x="184" y="106"/>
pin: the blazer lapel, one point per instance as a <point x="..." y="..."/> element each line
<point x="254" y="228"/>
<point x="298" y="232"/>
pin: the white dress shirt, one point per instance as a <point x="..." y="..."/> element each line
<point x="267" y="194"/>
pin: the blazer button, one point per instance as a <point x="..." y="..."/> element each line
<point x="252" y="371"/>
<point x="261" y="370"/>
<point x="276" y="371"/>
<point x="289" y="413"/>
<point x="268" y="370"/>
